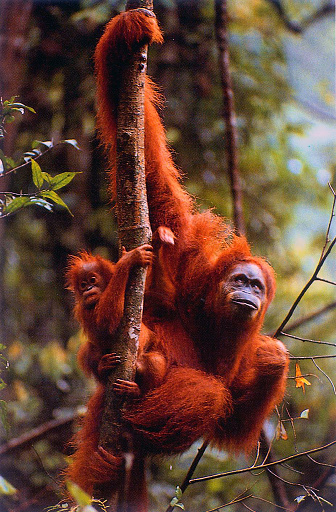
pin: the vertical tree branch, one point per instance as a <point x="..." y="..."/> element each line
<point x="221" y="23"/>
<point x="134" y="230"/>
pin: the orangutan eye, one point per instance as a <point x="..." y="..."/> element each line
<point x="240" y="279"/>
<point x="258" y="284"/>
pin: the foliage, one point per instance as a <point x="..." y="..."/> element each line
<point x="45" y="184"/>
<point x="7" y="110"/>
<point x="286" y="208"/>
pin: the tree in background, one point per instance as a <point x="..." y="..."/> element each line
<point x="286" y="208"/>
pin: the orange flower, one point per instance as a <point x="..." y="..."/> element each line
<point x="300" y="381"/>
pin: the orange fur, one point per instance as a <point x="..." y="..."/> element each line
<point x="170" y="205"/>
<point x="228" y="377"/>
<point x="100" y="320"/>
<point x="213" y="374"/>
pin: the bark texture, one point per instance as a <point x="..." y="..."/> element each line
<point x="134" y="230"/>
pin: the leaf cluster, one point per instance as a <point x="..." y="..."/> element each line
<point x="46" y="185"/>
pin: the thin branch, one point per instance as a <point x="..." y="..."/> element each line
<point x="302" y="358"/>
<point x="279" y="490"/>
<point x="326" y="281"/>
<point x="305" y="288"/>
<point x="37" y="158"/>
<point x="307" y="339"/>
<point x="248" y="508"/>
<point x="318" y="484"/>
<point x="321" y="463"/>
<point x="26" y="440"/>
<point x="258" y="498"/>
<point x="299" y="28"/>
<point x="312" y="316"/>
<point x="332" y="215"/>
<point x="261" y="466"/>
<point x="326" y="376"/>
<point x="238" y="499"/>
<point x="191" y="470"/>
<point x="324" y="254"/>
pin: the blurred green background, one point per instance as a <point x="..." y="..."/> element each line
<point x="282" y="66"/>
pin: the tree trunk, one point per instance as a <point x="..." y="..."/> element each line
<point x="221" y="23"/>
<point x="134" y="230"/>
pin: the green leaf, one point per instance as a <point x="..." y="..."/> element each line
<point x="10" y="162"/>
<point x="16" y="204"/>
<point x="6" y="487"/>
<point x="178" y="492"/>
<point x="50" y="194"/>
<point x="305" y="414"/>
<point x="60" y="180"/>
<point x="38" y="201"/>
<point x="48" y="143"/>
<point x="72" y="142"/>
<point x="37" y="174"/>
<point x="173" y="502"/>
<point x="47" y="177"/>
<point x="300" y="498"/>
<point x="81" y="497"/>
<point x="22" y="106"/>
<point x="15" y="109"/>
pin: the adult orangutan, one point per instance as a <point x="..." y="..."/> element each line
<point x="222" y="293"/>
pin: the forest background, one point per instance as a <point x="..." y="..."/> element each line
<point x="282" y="67"/>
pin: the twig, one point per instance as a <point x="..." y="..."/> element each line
<point x="324" y="254"/>
<point x="307" y="339"/>
<point x="302" y="358"/>
<point x="295" y="27"/>
<point x="238" y="499"/>
<point x="312" y="316"/>
<point x="326" y="376"/>
<point x="27" y="165"/>
<point x="326" y="281"/>
<point x="332" y="215"/>
<point x="34" y="435"/>
<point x="261" y="466"/>
<point x="318" y="484"/>
<point x="191" y="470"/>
<point x="305" y="288"/>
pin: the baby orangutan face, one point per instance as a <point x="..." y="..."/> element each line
<point x="91" y="284"/>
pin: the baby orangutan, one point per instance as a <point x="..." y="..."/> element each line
<point x="99" y="289"/>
